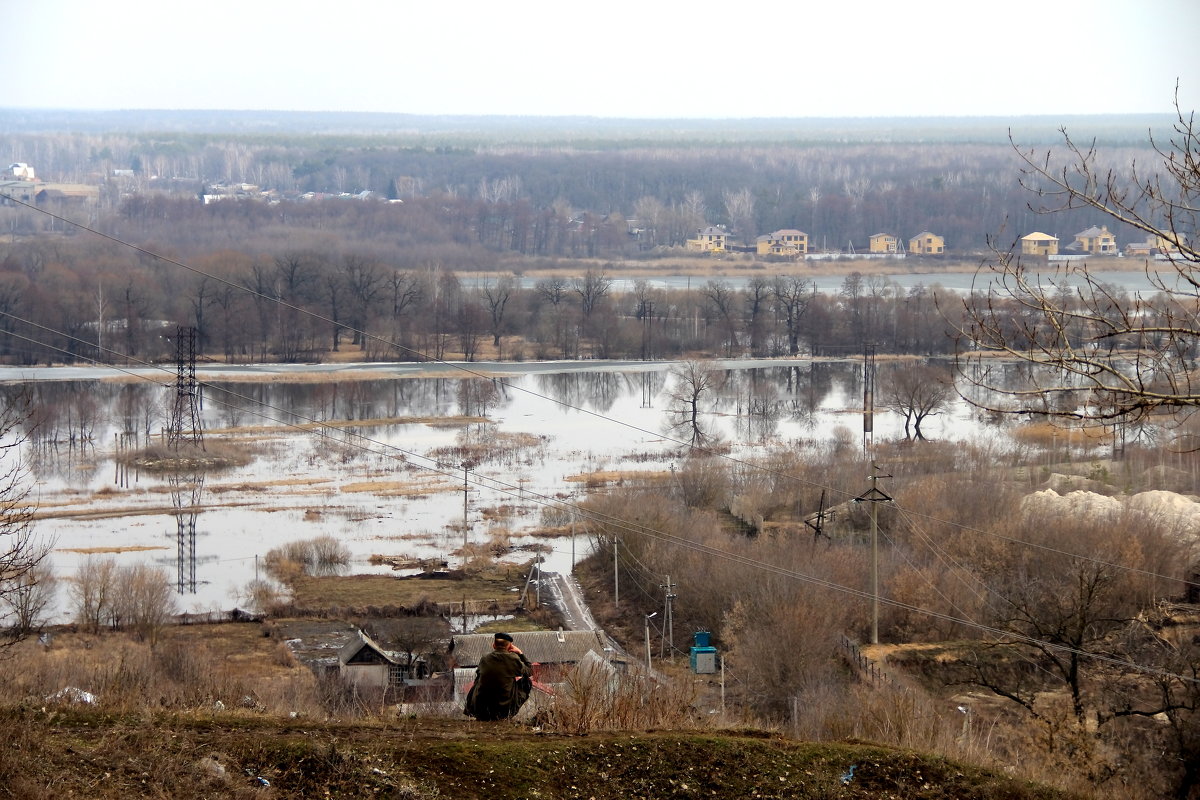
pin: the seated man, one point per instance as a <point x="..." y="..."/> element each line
<point x="502" y="682"/>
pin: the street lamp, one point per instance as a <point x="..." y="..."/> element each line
<point x="648" y="616"/>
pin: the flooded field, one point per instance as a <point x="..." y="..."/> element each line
<point x="373" y="455"/>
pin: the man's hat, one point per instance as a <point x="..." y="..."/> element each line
<point x="504" y="637"/>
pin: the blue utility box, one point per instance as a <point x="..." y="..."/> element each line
<point x="703" y="655"/>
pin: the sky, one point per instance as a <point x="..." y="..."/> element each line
<point x="617" y="59"/>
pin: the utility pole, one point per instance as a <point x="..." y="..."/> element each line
<point x="616" y="585"/>
<point x="668" y="620"/>
<point x="646" y="309"/>
<point x="538" y="591"/>
<point x="648" y="616"/>
<point x="464" y="523"/>
<point x="868" y="397"/>
<point x="874" y="496"/>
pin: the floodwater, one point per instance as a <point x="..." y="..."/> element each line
<point x="396" y="488"/>
<point x="1133" y="279"/>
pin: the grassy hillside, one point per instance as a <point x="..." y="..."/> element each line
<point x="67" y="752"/>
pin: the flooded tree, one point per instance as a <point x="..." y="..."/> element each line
<point x="917" y="392"/>
<point x="693" y="381"/>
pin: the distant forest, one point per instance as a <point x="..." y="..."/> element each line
<point x="298" y="263"/>
<point x="476" y="188"/>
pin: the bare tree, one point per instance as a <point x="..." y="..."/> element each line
<point x="92" y="593"/>
<point x="693" y="380"/>
<point x="20" y="552"/>
<point x="721" y="297"/>
<point x="739" y="206"/>
<point x="917" y="392"/>
<point x="792" y="296"/>
<point x="29" y="598"/>
<point x="496" y="297"/>
<point x="1098" y="356"/>
<point x="143" y="600"/>
<point x="553" y="290"/>
<point x="592" y="288"/>
<point x="758" y="293"/>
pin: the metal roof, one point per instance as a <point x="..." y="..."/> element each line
<point x="360" y="642"/>
<point x="544" y="647"/>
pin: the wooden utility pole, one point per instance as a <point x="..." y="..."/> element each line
<point x="648" y="616"/>
<point x="868" y="397"/>
<point x="874" y="496"/>
<point x="616" y="585"/>
<point x="464" y="522"/>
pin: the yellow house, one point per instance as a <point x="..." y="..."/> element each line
<point x="1039" y="244"/>
<point x="713" y="239"/>
<point x="885" y="243"/>
<point x="787" y="242"/>
<point x="1157" y="244"/>
<point x="926" y="243"/>
<point x="1097" y="241"/>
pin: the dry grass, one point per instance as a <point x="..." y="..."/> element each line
<point x="401" y="488"/>
<point x="619" y="477"/>
<point x="373" y="422"/>
<point x="190" y="667"/>
<point x="84" y="753"/>
<point x="595" y="700"/>
<point x="1047" y="434"/>
<point x="497" y="582"/>
<point x="95" y="550"/>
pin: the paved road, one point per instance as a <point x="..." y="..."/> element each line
<point x="566" y="596"/>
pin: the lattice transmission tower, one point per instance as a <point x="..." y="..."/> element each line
<point x="184" y="425"/>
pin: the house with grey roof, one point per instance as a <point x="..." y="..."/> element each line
<point x="1095" y="241"/>
<point x="367" y="665"/>
<point x="555" y="655"/>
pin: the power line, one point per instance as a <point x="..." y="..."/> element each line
<point x="524" y="494"/>
<point x="708" y="549"/>
<point x="690" y="446"/>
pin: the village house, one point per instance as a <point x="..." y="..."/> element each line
<point x="366" y="665"/>
<point x="1039" y="244"/>
<point x="787" y="243"/>
<point x="554" y="654"/>
<point x="1156" y="244"/>
<point x="21" y="171"/>
<point x="927" y="244"/>
<point x="713" y="239"/>
<point x="884" y="243"/>
<point x="1095" y="241"/>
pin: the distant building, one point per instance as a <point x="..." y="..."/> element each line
<point x="365" y="664"/>
<point x="1155" y="245"/>
<point x="1095" y="241"/>
<point x="555" y="656"/>
<point x="55" y="196"/>
<point x="885" y="243"/>
<point x="19" y="191"/>
<point x="1039" y="244"/>
<point x="20" y="172"/>
<point x="787" y="243"/>
<point x="927" y="244"/>
<point x="713" y="239"/>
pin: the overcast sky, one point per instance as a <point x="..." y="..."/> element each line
<point x="652" y="58"/>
